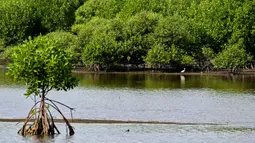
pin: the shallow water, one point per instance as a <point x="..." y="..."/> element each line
<point x="138" y="133"/>
<point x="191" y="105"/>
<point x="227" y="100"/>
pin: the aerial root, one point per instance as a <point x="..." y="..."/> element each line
<point x="42" y="120"/>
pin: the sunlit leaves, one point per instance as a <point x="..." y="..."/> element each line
<point x="22" y="18"/>
<point x="158" y="55"/>
<point x="112" y="32"/>
<point x="138" y="35"/>
<point x="102" y="43"/>
<point x="69" y="42"/>
<point x="100" y="8"/>
<point x="43" y="65"/>
<point x="233" y="57"/>
<point x="133" y="7"/>
<point x="15" y="21"/>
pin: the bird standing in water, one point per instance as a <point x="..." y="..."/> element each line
<point x="183" y="70"/>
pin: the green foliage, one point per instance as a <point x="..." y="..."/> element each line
<point x="233" y="57"/>
<point x="187" y="60"/>
<point x="86" y="31"/>
<point x="100" y="41"/>
<point x="161" y="54"/>
<point x="43" y="65"/>
<point x="1" y="46"/>
<point x="216" y="17"/>
<point x="113" y="32"/>
<point x="100" y="8"/>
<point x="55" y="14"/>
<point x="138" y="35"/>
<point x="158" y="55"/>
<point x="109" y="42"/>
<point x="68" y="42"/>
<point x="6" y="55"/>
<point x="208" y="52"/>
<point x="206" y="58"/>
<point x="16" y="20"/>
<point x="179" y="56"/>
<point x="172" y="30"/>
<point x="133" y="7"/>
<point x="243" y="25"/>
<point x="178" y="7"/>
<point x="22" y="18"/>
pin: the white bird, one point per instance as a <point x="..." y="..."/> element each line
<point x="183" y="70"/>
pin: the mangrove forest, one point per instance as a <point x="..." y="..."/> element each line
<point x="200" y="35"/>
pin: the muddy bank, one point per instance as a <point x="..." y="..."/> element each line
<point x="91" y="121"/>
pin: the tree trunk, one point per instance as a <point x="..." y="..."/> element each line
<point x="43" y="125"/>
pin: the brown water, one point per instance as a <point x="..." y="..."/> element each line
<point x="227" y="100"/>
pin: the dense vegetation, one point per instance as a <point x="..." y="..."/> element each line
<point x="199" y="34"/>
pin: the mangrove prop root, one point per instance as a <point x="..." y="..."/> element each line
<point x="43" y="122"/>
<point x="71" y="129"/>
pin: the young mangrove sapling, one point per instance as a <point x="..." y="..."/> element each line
<point x="43" y="65"/>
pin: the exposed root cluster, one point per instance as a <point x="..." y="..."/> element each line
<point x="40" y="121"/>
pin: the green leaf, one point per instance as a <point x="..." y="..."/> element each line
<point x="39" y="73"/>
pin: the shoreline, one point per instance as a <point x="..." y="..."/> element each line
<point x="210" y="73"/>
<point x="96" y="121"/>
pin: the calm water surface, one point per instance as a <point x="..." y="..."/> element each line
<point x="227" y="100"/>
<point x="139" y="133"/>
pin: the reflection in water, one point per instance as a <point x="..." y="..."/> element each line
<point x="243" y="83"/>
<point x="182" y="81"/>
<point x="166" y="81"/>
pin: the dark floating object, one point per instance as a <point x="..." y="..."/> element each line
<point x="127" y="130"/>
